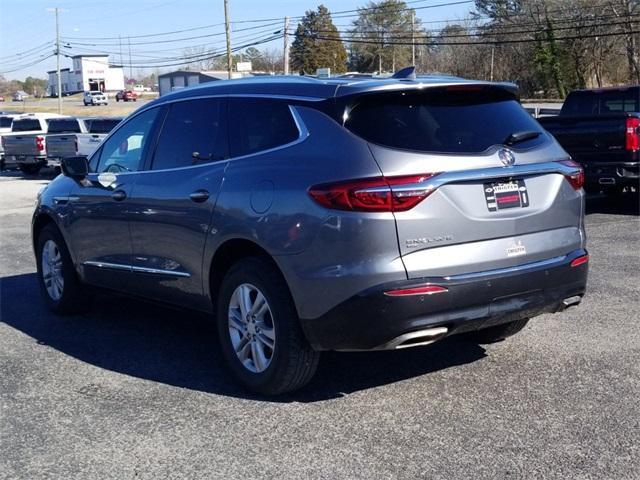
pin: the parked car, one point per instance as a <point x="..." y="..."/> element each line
<point x="5" y="127"/>
<point x="126" y="96"/>
<point x="600" y="129"/>
<point x="338" y="215"/>
<point x="70" y="136"/>
<point x="20" y="96"/>
<point x="26" y="142"/>
<point x="95" y="98"/>
<point x="141" y="88"/>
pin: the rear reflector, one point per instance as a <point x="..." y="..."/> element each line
<point x="424" y="290"/>
<point x="633" y="134"/>
<point x="580" y="260"/>
<point x="575" y="179"/>
<point x="379" y="194"/>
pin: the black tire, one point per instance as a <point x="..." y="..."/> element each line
<point x="293" y="362"/>
<point x="74" y="296"/>
<point x="498" y="332"/>
<point x="30" y="169"/>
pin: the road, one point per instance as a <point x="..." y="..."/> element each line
<point x="133" y="390"/>
<point x="73" y="106"/>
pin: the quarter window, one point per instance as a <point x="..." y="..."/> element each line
<point x="193" y="132"/>
<point x="123" y="151"/>
<point x="257" y="124"/>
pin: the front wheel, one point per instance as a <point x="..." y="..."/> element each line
<point x="498" y="332"/>
<point x="260" y="335"/>
<point x="59" y="284"/>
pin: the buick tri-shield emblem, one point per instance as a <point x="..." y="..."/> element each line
<point x="506" y="157"/>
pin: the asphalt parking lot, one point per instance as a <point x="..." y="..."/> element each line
<point x="133" y="390"/>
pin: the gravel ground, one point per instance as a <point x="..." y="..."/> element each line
<point x="133" y="390"/>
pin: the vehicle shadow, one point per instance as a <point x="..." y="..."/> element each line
<point x="626" y="204"/>
<point x="180" y="348"/>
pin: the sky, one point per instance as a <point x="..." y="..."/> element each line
<point x="27" y="25"/>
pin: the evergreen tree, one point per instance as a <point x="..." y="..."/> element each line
<point x="317" y="44"/>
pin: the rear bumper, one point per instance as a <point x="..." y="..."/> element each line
<point x="372" y="320"/>
<point x="619" y="173"/>
<point x="30" y="159"/>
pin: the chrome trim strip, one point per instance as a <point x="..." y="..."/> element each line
<point x="518" y="268"/>
<point x="136" y="269"/>
<point x="114" y="266"/>
<point x="481" y="174"/>
<point x="158" y="271"/>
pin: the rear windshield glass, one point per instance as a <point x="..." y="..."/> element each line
<point x="453" y="120"/>
<point x="601" y="103"/>
<point x="26" y="125"/>
<point x="5" y="122"/>
<point x="101" y="126"/>
<point x="67" y="125"/>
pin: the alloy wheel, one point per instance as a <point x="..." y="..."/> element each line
<point x="251" y="328"/>
<point x="51" y="263"/>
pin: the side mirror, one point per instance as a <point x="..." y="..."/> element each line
<point x="75" y="167"/>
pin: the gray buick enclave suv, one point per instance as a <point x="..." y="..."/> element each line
<point x="308" y="215"/>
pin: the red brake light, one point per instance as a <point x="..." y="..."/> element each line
<point x="379" y="194"/>
<point x="633" y="134"/>
<point x="40" y="143"/>
<point x="424" y="290"/>
<point x="575" y="179"/>
<point x="580" y="260"/>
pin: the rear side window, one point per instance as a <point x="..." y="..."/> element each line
<point x="453" y="120"/>
<point x="67" y="125"/>
<point x="193" y="132"/>
<point x="5" y="122"/>
<point x="101" y="126"/>
<point x="257" y="124"/>
<point x="602" y="102"/>
<point x="25" y="125"/>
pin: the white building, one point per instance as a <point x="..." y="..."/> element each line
<point x="90" y="72"/>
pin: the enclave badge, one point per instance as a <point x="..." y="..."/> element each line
<point x="507" y="157"/>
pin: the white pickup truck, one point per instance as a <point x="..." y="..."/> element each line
<point x="5" y="127"/>
<point x="70" y="137"/>
<point x="26" y="142"/>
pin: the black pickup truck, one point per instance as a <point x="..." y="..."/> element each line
<point x="600" y="129"/>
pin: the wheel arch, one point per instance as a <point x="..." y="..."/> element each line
<point x="229" y="253"/>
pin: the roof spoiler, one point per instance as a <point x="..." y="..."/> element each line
<point x="407" y="73"/>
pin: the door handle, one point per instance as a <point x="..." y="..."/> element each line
<point x="119" y="195"/>
<point x="199" y="196"/>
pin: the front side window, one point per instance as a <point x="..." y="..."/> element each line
<point x="193" y="132"/>
<point x="258" y="124"/>
<point x="123" y="151"/>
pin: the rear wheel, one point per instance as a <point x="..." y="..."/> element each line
<point x="260" y="335"/>
<point x="31" y="169"/>
<point x="499" y="332"/>
<point x="59" y="283"/>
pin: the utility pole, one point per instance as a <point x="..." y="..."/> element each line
<point x="120" y="43"/>
<point x="130" y="64"/>
<point x="59" y="87"/>
<point x="228" y="34"/>
<point x="286" y="46"/>
<point x="413" y="40"/>
<point x="493" y="51"/>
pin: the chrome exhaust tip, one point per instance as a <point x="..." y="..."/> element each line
<point x="607" y="181"/>
<point x="571" y="301"/>
<point x="415" y="339"/>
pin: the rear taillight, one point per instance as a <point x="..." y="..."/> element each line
<point x="575" y="179"/>
<point x="633" y="134"/>
<point x="75" y="141"/>
<point x="421" y="290"/>
<point x="380" y="194"/>
<point x="40" y="143"/>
